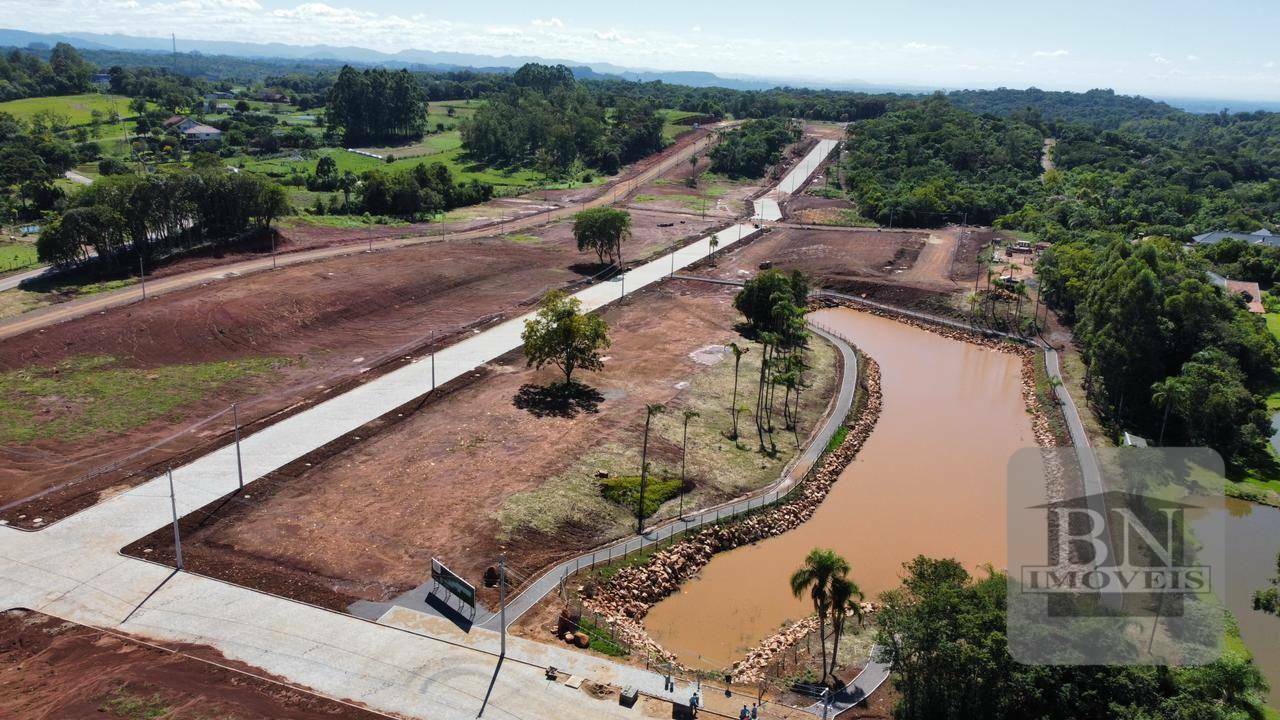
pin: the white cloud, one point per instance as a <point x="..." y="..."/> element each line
<point x="1051" y="53"/>
<point x="1160" y="59"/>
<point x="696" y="28"/>
<point x="1270" y="64"/>
<point x="1193" y="58"/>
<point x="554" y="22"/>
<point x="504" y="31"/>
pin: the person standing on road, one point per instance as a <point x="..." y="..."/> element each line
<point x="744" y="713"/>
<point x="755" y="711"/>
<point x="693" y="704"/>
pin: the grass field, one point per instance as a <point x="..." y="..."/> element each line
<point x="76" y="107"/>
<point x="93" y="394"/>
<point x="16" y="256"/>
<point x="449" y="152"/>
<point x="671" y="129"/>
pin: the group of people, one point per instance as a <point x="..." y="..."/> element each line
<point x="752" y="713"/>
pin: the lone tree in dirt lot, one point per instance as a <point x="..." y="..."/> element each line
<point x="562" y="335"/>
<point x="602" y="230"/>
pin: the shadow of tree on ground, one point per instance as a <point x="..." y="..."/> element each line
<point x="564" y="400"/>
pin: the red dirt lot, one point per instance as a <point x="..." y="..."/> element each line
<point x="813" y="210"/>
<point x="332" y="320"/>
<point x="833" y="257"/>
<point x="361" y="519"/>
<point x="55" y="669"/>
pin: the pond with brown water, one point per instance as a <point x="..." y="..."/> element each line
<point x="929" y="480"/>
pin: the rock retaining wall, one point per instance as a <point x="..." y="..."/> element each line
<point x="627" y="597"/>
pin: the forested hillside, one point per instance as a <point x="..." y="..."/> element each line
<point x="928" y="163"/>
<point x="1098" y="108"/>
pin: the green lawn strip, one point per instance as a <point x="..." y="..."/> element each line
<point x="92" y="394"/>
<point x="342" y="222"/>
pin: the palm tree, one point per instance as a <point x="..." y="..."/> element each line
<point x="821" y="568"/>
<point x="712" y="244"/>
<point x="1166" y="392"/>
<point x="649" y="412"/>
<point x="684" y="454"/>
<point x="738" y="352"/>
<point x="846" y="600"/>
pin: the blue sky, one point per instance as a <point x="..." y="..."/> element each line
<point x="1223" y="49"/>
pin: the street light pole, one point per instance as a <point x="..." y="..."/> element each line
<point x="142" y="276"/>
<point x="235" y="414"/>
<point x="502" y="600"/>
<point x="177" y="537"/>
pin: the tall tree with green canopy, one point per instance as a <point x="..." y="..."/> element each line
<point x="561" y="334"/>
<point x="602" y="230"/>
<point x="817" y="578"/>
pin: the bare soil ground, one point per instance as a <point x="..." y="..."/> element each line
<point x="813" y="210"/>
<point x="714" y="196"/>
<point x="921" y="269"/>
<point x="489" y="467"/>
<point x="332" y="320"/>
<point x="55" y="669"/>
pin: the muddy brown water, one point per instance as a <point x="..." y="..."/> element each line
<point x="1253" y="540"/>
<point x="930" y="480"/>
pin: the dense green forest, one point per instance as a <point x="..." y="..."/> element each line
<point x="927" y="163"/>
<point x="1099" y="108"/>
<point x="376" y="105"/>
<point x="547" y="120"/>
<point x="23" y="74"/>
<point x="945" y="632"/>
<point x="750" y="149"/>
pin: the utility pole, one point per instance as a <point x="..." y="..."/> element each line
<point x="433" y="359"/>
<point x="502" y="600"/>
<point x="177" y="536"/>
<point x="142" y="276"/>
<point x="273" y="251"/>
<point x="235" y="414"/>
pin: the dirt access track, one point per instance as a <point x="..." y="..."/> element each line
<point x="322" y="325"/>
<point x="340" y="243"/>
<point x="55" y="669"/>
<point x="488" y="467"/>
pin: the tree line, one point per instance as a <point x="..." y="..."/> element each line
<point x="23" y="74"/>
<point x="126" y="216"/>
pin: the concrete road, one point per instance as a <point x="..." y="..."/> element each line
<point x="9" y="282"/>
<point x="98" y="302"/>
<point x="77" y="178"/>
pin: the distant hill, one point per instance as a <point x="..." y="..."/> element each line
<point x="1070" y="106"/>
<point x="1100" y="108"/>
